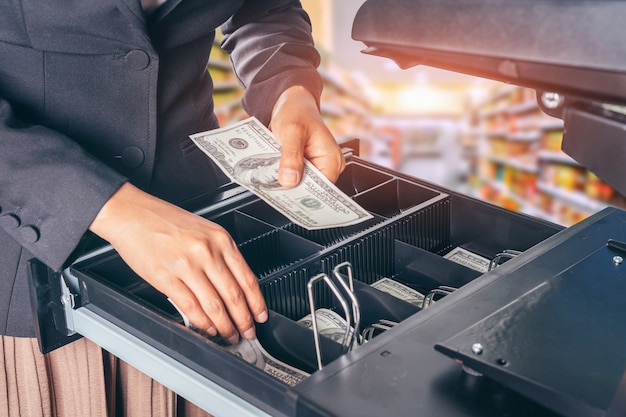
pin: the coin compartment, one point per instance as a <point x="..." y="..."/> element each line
<point x="357" y="178"/>
<point x="241" y="226"/>
<point x="394" y="197"/>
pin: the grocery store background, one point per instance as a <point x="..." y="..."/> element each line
<point x="483" y="138"/>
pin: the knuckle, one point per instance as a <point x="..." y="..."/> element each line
<point x="220" y="237"/>
<point x="235" y="297"/>
<point x="186" y="304"/>
<point x="214" y="308"/>
<point x="202" y="322"/>
<point x="197" y="247"/>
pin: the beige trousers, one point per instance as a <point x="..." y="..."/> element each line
<point x="79" y="380"/>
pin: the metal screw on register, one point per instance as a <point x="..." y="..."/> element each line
<point x="477" y="348"/>
<point x="618" y="260"/>
<point x="551" y="100"/>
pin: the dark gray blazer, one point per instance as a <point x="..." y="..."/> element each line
<point x="93" y="94"/>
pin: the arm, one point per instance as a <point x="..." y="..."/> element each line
<point x="50" y="182"/>
<point x="274" y="57"/>
<point x="50" y="188"/>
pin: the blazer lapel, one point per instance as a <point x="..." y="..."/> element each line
<point x="134" y="13"/>
<point x="133" y="8"/>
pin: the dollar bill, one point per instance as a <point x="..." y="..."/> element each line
<point x="329" y="324"/>
<point x="248" y="154"/>
<point x="252" y="351"/>
<point x="469" y="259"/>
<point x="400" y="291"/>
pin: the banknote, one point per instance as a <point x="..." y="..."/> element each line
<point x="469" y="259"/>
<point x="249" y="155"/>
<point x="252" y="351"/>
<point x="400" y="291"/>
<point x="329" y="324"/>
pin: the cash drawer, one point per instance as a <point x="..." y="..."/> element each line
<point x="414" y="225"/>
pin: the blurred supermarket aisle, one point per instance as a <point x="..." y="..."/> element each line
<point x="478" y="137"/>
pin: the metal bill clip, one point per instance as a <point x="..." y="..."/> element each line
<point x="352" y="312"/>
<point x="505" y="254"/>
<point x="439" y="292"/>
<point x="381" y="326"/>
<point x="349" y="290"/>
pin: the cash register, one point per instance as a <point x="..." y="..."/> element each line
<point x="540" y="331"/>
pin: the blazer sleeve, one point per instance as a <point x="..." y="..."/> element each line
<point x="271" y="48"/>
<point x="51" y="189"/>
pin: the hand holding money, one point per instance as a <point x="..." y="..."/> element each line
<point x="298" y="127"/>
<point x="249" y="155"/>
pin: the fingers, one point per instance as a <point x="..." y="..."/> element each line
<point x="213" y="301"/>
<point x="316" y="143"/>
<point x="332" y="163"/>
<point x="249" y="286"/>
<point x="227" y="295"/>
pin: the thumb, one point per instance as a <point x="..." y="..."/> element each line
<point x="291" y="165"/>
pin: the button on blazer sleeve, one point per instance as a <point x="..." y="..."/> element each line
<point x="271" y="48"/>
<point x="50" y="188"/>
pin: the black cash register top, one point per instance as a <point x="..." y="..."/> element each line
<point x="561" y="340"/>
<point x="566" y="46"/>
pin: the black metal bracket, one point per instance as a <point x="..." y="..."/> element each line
<point x="49" y="306"/>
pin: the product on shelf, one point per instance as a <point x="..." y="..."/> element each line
<point x="522" y="166"/>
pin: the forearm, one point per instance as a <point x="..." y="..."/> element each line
<point x="49" y="187"/>
<point x="272" y="49"/>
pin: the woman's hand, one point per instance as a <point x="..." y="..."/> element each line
<point x="298" y="126"/>
<point x="193" y="261"/>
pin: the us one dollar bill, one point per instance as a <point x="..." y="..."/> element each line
<point x="400" y="291"/>
<point x="329" y="324"/>
<point x="252" y="351"/>
<point x="249" y="155"/>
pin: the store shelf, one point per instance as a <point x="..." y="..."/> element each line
<point x="344" y="108"/>
<point x="521" y="153"/>
<point x="220" y="64"/>
<point x="221" y="86"/>
<point x="228" y="106"/>
<point x="522" y="165"/>
<point x="336" y="82"/>
<point x="575" y="198"/>
<point x="554" y="156"/>
<point x="529" y="136"/>
<point x="522" y="107"/>
<point x="550" y="123"/>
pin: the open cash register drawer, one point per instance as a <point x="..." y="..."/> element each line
<point x="513" y="330"/>
<point x="415" y="224"/>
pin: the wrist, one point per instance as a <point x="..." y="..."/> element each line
<point x="114" y="211"/>
<point x="295" y="95"/>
